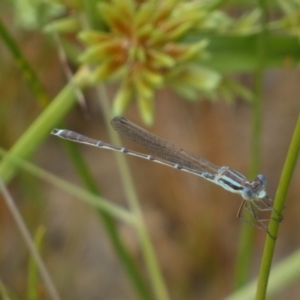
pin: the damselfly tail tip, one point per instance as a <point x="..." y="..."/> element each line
<point x="55" y="131"/>
<point x="118" y="119"/>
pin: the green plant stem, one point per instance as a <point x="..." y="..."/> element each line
<point x="247" y="232"/>
<point x="158" y="284"/>
<point x="278" y="206"/>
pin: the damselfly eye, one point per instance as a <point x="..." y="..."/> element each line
<point x="247" y="193"/>
<point x="262" y="179"/>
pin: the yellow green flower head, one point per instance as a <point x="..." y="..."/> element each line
<point x="141" y="48"/>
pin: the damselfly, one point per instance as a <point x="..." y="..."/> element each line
<point x="253" y="192"/>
